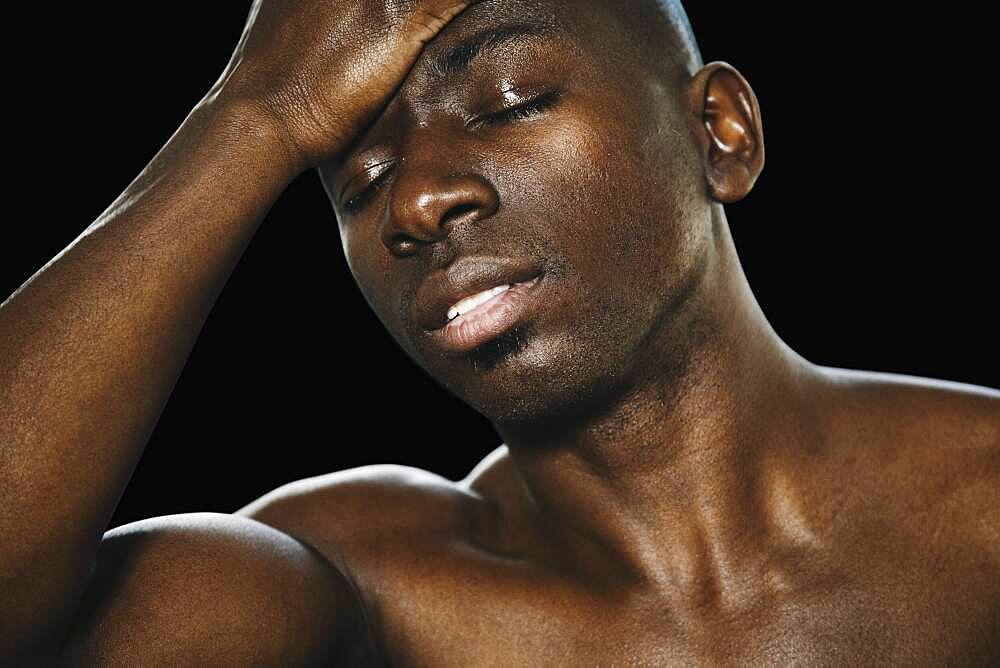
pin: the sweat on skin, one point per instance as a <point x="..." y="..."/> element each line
<point x="676" y="485"/>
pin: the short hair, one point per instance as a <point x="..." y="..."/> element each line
<point x="689" y="55"/>
<point x="658" y="35"/>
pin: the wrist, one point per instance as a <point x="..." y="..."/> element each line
<point x="250" y="125"/>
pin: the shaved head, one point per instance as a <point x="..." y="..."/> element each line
<point x="656" y="35"/>
<point x="660" y="31"/>
<point x="685" y="45"/>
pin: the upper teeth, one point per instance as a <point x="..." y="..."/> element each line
<point x="472" y="302"/>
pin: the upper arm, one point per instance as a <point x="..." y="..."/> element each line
<point x="211" y="589"/>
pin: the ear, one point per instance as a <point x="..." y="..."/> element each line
<point x="725" y="119"/>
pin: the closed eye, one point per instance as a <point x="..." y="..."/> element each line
<point x="529" y="109"/>
<point x="533" y="107"/>
<point x="358" y="202"/>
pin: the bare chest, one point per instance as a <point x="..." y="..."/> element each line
<point x="503" y="616"/>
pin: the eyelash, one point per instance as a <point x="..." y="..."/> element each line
<point x="521" y="112"/>
<point x="358" y="202"/>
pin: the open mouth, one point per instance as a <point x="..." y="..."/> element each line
<point x="481" y="317"/>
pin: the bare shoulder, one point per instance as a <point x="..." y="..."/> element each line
<point x="210" y="589"/>
<point x="914" y="419"/>
<point x="358" y="512"/>
<point x="939" y="402"/>
<point x="379" y="524"/>
<point x="929" y="448"/>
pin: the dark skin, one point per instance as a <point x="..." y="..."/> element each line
<point x="676" y="485"/>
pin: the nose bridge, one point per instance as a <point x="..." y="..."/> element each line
<point x="437" y="186"/>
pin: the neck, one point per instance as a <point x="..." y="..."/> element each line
<point x="672" y="483"/>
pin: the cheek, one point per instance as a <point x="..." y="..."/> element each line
<point x="612" y="195"/>
<point x="620" y="200"/>
<point x="371" y="272"/>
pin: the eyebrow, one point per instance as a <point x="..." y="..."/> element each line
<point x="460" y="57"/>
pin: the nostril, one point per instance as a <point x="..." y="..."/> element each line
<point x="456" y="212"/>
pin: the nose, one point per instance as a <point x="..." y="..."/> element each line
<point x="426" y="204"/>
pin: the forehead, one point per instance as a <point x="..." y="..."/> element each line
<point x="489" y="28"/>
<point x="486" y="13"/>
<point x="579" y="36"/>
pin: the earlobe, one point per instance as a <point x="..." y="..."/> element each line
<point x="726" y="121"/>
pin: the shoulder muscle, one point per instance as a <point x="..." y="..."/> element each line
<point x="211" y="589"/>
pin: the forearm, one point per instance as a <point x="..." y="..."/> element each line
<point x="92" y="345"/>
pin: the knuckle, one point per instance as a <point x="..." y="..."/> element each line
<point x="397" y="9"/>
<point x="424" y="12"/>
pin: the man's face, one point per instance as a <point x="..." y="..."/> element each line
<point x="597" y="187"/>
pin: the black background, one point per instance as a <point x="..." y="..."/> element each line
<point x="869" y="240"/>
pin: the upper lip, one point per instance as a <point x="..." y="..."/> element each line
<point x="464" y="278"/>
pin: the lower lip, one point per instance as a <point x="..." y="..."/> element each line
<point x="488" y="320"/>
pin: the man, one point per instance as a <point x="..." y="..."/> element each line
<point x="530" y="196"/>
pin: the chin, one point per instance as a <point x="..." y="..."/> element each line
<point x="523" y="381"/>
